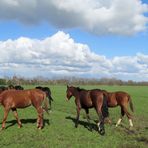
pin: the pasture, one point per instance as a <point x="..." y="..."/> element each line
<point x="59" y="130"/>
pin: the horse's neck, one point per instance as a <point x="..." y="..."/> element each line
<point x="76" y="94"/>
<point x="81" y="94"/>
<point x="77" y="99"/>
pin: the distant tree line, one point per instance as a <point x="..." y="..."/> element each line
<point x="67" y="80"/>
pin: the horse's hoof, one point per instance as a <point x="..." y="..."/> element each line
<point x="39" y="128"/>
<point x="90" y="129"/>
<point x="1" y="129"/>
<point x="107" y="121"/>
<point x="131" y="128"/>
<point x="19" y="126"/>
<point x="102" y="132"/>
<point x="116" y="125"/>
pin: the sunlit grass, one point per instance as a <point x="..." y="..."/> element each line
<point x="60" y="131"/>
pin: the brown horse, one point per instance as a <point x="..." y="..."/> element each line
<point x="122" y="99"/>
<point x="88" y="99"/>
<point x="13" y="99"/>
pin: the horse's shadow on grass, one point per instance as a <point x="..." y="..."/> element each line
<point x="26" y="121"/>
<point x="88" y="126"/>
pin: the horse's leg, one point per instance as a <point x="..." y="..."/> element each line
<point x="88" y="118"/>
<point x="129" y="116"/>
<point x="131" y="123"/>
<point x="40" y="118"/>
<point x="77" y="117"/>
<point x="6" y="111"/>
<point x="122" y="115"/>
<point x="16" y="116"/>
<point x="101" y="120"/>
<point x="40" y="111"/>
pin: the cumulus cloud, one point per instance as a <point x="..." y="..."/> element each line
<point x="60" y="55"/>
<point x="95" y="16"/>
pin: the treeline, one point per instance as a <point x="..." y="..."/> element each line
<point x="67" y="80"/>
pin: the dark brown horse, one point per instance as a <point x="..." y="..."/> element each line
<point x="18" y="87"/>
<point x="3" y="88"/>
<point x="13" y="99"/>
<point x="122" y="99"/>
<point x="88" y="99"/>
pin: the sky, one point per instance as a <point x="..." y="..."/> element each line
<point x="81" y="38"/>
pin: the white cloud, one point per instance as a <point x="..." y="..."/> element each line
<point x="95" y="16"/>
<point x="60" y="55"/>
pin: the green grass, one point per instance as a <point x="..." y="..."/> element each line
<point x="60" y="131"/>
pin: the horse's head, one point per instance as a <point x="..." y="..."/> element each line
<point x="10" y="86"/>
<point x="69" y="92"/>
<point x="18" y="87"/>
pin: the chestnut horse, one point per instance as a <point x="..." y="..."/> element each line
<point x="88" y="99"/>
<point x="13" y="99"/>
<point x="122" y="99"/>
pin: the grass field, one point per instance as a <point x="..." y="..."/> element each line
<point x="59" y="130"/>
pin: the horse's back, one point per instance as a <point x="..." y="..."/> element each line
<point x="90" y="98"/>
<point x="97" y="97"/>
<point x="95" y="93"/>
<point x="117" y="98"/>
<point x="122" y="97"/>
<point x="37" y="96"/>
<point x="121" y="93"/>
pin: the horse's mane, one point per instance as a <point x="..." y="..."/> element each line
<point x="80" y="89"/>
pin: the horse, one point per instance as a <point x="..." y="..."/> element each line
<point x="11" y="86"/>
<point x="48" y="93"/>
<point x="86" y="99"/>
<point x="18" y="87"/>
<point x="122" y="99"/>
<point x="2" y="88"/>
<point x="13" y="99"/>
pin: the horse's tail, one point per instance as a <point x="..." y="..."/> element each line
<point x="105" y="106"/>
<point x="45" y="103"/>
<point x="49" y="100"/>
<point x="131" y="104"/>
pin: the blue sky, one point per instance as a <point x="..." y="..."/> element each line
<point x="109" y="45"/>
<point x="98" y="29"/>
